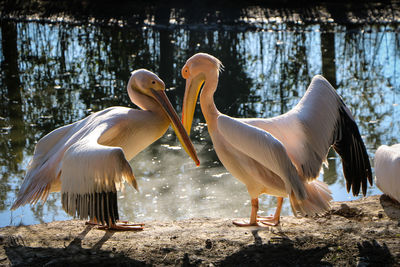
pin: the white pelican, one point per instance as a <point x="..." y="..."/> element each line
<point x="88" y="160"/>
<point x="280" y="156"/>
<point x="387" y="170"/>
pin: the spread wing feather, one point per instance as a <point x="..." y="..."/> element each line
<point x="264" y="148"/>
<point x="43" y="169"/>
<point x="91" y="174"/>
<point x="321" y="120"/>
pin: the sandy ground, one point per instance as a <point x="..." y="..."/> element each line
<point x="359" y="233"/>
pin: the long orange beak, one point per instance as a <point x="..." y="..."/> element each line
<point x="192" y="90"/>
<point x="183" y="137"/>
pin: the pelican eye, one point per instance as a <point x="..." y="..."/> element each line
<point x="153" y="82"/>
<point x="185" y="73"/>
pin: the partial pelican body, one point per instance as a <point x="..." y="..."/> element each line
<point x="88" y="160"/>
<point x="280" y="156"/>
<point x="387" y="170"/>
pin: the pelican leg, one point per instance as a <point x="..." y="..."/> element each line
<point x="273" y="220"/>
<point x="253" y="215"/>
<point x="91" y="222"/>
<point x="131" y="224"/>
<point x="122" y="227"/>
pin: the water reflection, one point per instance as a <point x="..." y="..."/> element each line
<point x="54" y="74"/>
<point x="328" y="70"/>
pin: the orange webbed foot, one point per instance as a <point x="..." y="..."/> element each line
<point x="119" y="226"/>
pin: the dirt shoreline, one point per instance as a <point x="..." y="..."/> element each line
<point x="364" y="232"/>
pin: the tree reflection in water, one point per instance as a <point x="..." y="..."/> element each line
<point x="54" y="74"/>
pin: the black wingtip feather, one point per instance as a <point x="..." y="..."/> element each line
<point x="351" y="148"/>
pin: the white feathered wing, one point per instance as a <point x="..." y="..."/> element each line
<point x="321" y="120"/>
<point x="71" y="159"/>
<point x="306" y="198"/>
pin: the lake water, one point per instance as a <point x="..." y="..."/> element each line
<point x="53" y="74"/>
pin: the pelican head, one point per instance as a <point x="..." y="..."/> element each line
<point x="195" y="71"/>
<point x="144" y="82"/>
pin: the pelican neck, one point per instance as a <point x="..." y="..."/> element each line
<point x="207" y="103"/>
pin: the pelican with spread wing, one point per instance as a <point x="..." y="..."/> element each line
<point x="88" y="160"/>
<point x="280" y="156"/>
